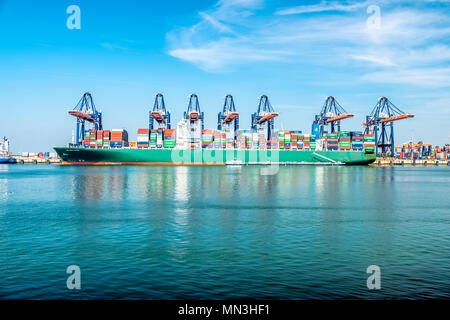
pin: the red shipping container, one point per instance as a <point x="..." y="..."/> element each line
<point x="143" y="131"/>
<point x="169" y="133"/>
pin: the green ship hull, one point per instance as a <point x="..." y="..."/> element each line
<point x="126" y="156"/>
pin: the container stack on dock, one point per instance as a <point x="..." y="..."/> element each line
<point x="143" y="138"/>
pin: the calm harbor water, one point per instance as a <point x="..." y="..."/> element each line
<point x="224" y="232"/>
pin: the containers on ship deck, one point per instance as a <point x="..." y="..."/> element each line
<point x="306" y="141"/>
<point x="207" y="138"/>
<point x="344" y="140"/>
<point x="369" y="142"/>
<point x="357" y="141"/>
<point x="106" y="138"/>
<point x="92" y="138"/>
<point x="99" y="143"/>
<point x="143" y="138"/>
<point x="153" y="135"/>
<point x="332" y="141"/>
<point x="159" y="138"/>
<point x="86" y="139"/>
<point x="169" y="138"/>
<point x="119" y="138"/>
<point x="244" y="139"/>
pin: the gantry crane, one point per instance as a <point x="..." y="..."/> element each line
<point x="381" y="123"/>
<point x="193" y="115"/>
<point x="229" y="117"/>
<point x="159" y="114"/>
<point x="264" y="114"/>
<point x="85" y="111"/>
<point x="331" y="114"/>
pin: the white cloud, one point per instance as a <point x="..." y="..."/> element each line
<point x="426" y="77"/>
<point x="406" y="45"/>
<point x="216" y="56"/>
<point x="324" y="6"/>
<point x="383" y="61"/>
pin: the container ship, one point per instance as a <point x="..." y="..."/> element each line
<point x="191" y="144"/>
<point x="4" y="151"/>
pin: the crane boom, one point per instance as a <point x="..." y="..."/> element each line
<point x="159" y="114"/>
<point x="331" y="114"/>
<point x="264" y="114"/>
<point x="381" y="123"/>
<point x="85" y="110"/>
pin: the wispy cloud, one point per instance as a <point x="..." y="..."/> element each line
<point x="324" y="6"/>
<point x="113" y="46"/>
<point x="383" y="61"/>
<point x="425" y="77"/>
<point x="411" y="41"/>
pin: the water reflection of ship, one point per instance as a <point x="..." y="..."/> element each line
<point x="4" y="193"/>
<point x="93" y="183"/>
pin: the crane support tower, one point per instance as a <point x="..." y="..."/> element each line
<point x="381" y="123"/>
<point x="194" y="116"/>
<point x="85" y="111"/>
<point x="331" y="114"/>
<point x="159" y="114"/>
<point x="264" y="114"/>
<point x="229" y="117"/>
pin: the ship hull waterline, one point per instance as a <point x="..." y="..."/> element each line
<point x="218" y="157"/>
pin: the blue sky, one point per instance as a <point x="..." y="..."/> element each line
<point x="296" y="52"/>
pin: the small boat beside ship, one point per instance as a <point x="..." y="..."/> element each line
<point x="5" y="157"/>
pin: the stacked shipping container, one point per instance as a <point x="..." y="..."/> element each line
<point x="169" y="138"/>
<point x="143" y="138"/>
<point x="246" y="139"/>
<point x="344" y="140"/>
<point x="369" y="143"/>
<point x="332" y="141"/>
<point x="119" y="138"/>
<point x="357" y="141"/>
